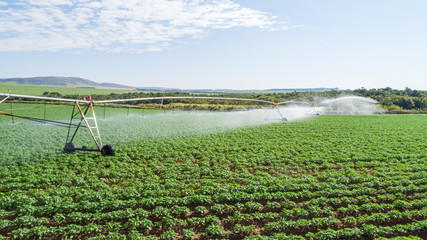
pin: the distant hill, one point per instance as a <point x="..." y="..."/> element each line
<point x="63" y="82"/>
<point x="81" y="82"/>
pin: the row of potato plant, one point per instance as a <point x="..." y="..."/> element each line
<point x="328" y="177"/>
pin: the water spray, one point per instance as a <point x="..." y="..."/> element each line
<point x="278" y="112"/>
<point x="350" y="105"/>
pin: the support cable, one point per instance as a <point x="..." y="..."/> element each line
<point x="44" y="112"/>
<point x="57" y="123"/>
<point x="71" y="121"/>
<point x="11" y="110"/>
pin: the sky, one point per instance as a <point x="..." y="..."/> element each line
<point x="218" y="44"/>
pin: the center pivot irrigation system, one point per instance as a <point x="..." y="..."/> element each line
<point x="83" y="112"/>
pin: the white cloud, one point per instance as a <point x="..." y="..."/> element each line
<point x="48" y="2"/>
<point x="118" y="26"/>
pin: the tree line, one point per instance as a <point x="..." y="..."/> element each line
<point x="390" y="99"/>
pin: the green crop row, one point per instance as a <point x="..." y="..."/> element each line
<point x="358" y="176"/>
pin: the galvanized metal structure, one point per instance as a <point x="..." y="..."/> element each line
<point x="85" y="115"/>
<point x="83" y="112"/>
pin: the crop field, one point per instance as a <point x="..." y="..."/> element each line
<point x="323" y="177"/>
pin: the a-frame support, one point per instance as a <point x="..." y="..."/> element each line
<point x="282" y="118"/>
<point x="87" y="120"/>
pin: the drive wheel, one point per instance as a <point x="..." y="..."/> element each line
<point x="107" y="150"/>
<point x="69" y="147"/>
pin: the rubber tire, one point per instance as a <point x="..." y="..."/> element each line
<point x="107" y="150"/>
<point x="284" y="119"/>
<point x="69" y="147"/>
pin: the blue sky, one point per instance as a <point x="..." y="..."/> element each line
<point x="240" y="44"/>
